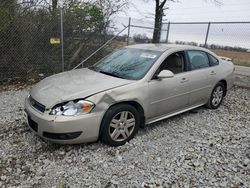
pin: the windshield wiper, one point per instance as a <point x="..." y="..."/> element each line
<point x="110" y="74"/>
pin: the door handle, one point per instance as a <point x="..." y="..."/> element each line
<point x="183" y="80"/>
<point x="212" y="73"/>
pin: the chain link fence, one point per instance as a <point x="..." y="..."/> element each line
<point x="230" y="39"/>
<point x="231" y="34"/>
<point x="32" y="47"/>
<point x="25" y="50"/>
<point x="38" y="41"/>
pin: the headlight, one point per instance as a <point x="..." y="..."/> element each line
<point x="73" y="108"/>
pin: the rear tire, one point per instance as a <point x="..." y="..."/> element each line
<point x="120" y="124"/>
<point x="217" y="96"/>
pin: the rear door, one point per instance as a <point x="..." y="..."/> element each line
<point x="202" y="77"/>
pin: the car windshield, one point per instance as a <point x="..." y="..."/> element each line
<point x="127" y="63"/>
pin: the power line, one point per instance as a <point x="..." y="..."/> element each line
<point x="200" y="11"/>
<point x="213" y="6"/>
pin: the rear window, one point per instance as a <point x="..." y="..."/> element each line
<point x="213" y="60"/>
<point x="198" y="59"/>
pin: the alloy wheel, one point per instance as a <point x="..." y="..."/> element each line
<point x="122" y="126"/>
<point x="217" y="95"/>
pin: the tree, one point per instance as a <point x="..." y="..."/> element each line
<point x="159" y="10"/>
<point x="109" y="8"/>
<point x="141" y="38"/>
<point x="159" y="13"/>
<point x="96" y="16"/>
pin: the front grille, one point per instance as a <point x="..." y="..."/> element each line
<point x="36" y="104"/>
<point x="32" y="124"/>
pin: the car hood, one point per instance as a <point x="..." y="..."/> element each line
<point x="72" y="85"/>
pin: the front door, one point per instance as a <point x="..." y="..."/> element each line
<point x="169" y="94"/>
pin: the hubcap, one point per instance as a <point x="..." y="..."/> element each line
<point x="217" y="95"/>
<point x="122" y="126"/>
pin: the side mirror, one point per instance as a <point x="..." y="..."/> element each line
<point x="165" y="74"/>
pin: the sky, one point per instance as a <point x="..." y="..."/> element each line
<point x="192" y="10"/>
<point x="142" y="14"/>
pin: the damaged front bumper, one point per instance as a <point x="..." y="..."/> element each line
<point x="64" y="129"/>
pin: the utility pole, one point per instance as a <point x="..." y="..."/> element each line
<point x="62" y="41"/>
<point x="208" y="28"/>
<point x="168" y="32"/>
<point x="129" y="23"/>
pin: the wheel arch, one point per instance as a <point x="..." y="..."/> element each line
<point x="136" y="105"/>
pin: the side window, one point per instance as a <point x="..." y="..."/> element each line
<point x="175" y="63"/>
<point x="213" y="61"/>
<point x="198" y="59"/>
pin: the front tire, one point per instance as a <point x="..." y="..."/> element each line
<point x="120" y="124"/>
<point x="217" y="96"/>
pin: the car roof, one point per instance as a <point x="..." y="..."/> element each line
<point x="164" y="47"/>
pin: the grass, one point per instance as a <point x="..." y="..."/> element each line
<point x="239" y="58"/>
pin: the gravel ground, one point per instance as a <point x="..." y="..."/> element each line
<point x="206" y="148"/>
<point x="242" y="80"/>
